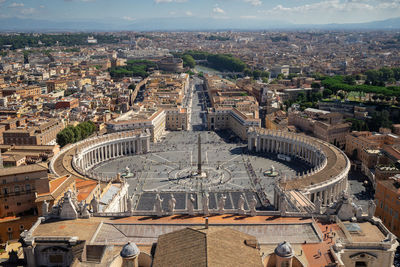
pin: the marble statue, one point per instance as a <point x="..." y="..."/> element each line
<point x="158" y="205"/>
<point x="45" y="208"/>
<point x="359" y="212"/>
<point x="240" y="205"/>
<point x="190" y="205"/>
<point x="318" y="204"/>
<point x="206" y="202"/>
<point x="94" y="204"/>
<point x="221" y="204"/>
<point x="68" y="207"/>
<point x="172" y="203"/>
<point x="253" y="204"/>
<point x="129" y="204"/>
<point x="80" y="206"/>
<point x="371" y="208"/>
<point x="283" y="204"/>
<point x="85" y="212"/>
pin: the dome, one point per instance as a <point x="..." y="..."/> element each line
<point x="129" y="250"/>
<point x="284" y="250"/>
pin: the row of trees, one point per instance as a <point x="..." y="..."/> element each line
<point x="382" y="76"/>
<point x="73" y="134"/>
<point x="217" y="38"/>
<point x="378" y="119"/>
<point x="225" y="62"/>
<point x="133" y="68"/>
<point x="30" y="40"/>
<point x="221" y="62"/>
<point x="338" y="82"/>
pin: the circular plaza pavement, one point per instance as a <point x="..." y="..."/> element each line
<point x="170" y="165"/>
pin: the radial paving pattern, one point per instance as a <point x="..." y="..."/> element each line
<point x="169" y="167"/>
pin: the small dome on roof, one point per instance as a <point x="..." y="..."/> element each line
<point x="129" y="250"/>
<point x="284" y="250"/>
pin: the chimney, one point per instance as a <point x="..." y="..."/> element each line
<point x="206" y="226"/>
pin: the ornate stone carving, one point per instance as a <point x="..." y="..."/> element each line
<point x="158" y="205"/>
<point x="318" y="204"/>
<point x="190" y="204"/>
<point x="206" y="202"/>
<point x="253" y="204"/>
<point x="240" y="206"/>
<point x="371" y="208"/>
<point x="129" y="204"/>
<point x="45" y="208"/>
<point x="221" y="204"/>
<point x="94" y="204"/>
<point x="171" y="204"/>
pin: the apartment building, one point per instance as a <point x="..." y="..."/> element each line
<point x="387" y="198"/>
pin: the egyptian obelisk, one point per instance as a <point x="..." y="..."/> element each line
<point x="199" y="156"/>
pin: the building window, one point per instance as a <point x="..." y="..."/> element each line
<point x="18" y="203"/>
<point x="28" y="187"/>
<point x="6" y="207"/>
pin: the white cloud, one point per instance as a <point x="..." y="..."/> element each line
<point x="254" y="2"/>
<point x="2" y="1"/>
<point x="28" y="11"/>
<point x="169" y="1"/>
<point x="218" y="10"/>
<point x="324" y="6"/>
<point x="335" y="11"/>
<point x="14" y="5"/>
<point x="248" y="17"/>
<point x="42" y="6"/>
<point x="128" y="18"/>
<point x="189" y="13"/>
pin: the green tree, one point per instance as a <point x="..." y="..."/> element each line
<point x="301" y="97"/>
<point x="315" y="85"/>
<point x="188" y="61"/>
<point x="327" y="93"/>
<point x="349" y="80"/>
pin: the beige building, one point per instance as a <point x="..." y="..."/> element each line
<point x="232" y="119"/>
<point x="176" y="119"/>
<point x="325" y="125"/>
<point x="18" y="187"/>
<point x="44" y="133"/>
<point x="152" y="120"/>
<point x="221" y="241"/>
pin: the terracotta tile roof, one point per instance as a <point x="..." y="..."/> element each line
<point x="84" y="188"/>
<point x="54" y="184"/>
<point x="206" y="247"/>
<point x="23" y="169"/>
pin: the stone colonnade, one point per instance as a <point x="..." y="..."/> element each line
<point x="288" y="144"/>
<point x="311" y="151"/>
<point x="108" y="147"/>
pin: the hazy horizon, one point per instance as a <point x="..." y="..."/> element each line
<point x="125" y="12"/>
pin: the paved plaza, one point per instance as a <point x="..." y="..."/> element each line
<point x="168" y="168"/>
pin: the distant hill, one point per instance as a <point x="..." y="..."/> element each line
<point x="183" y="23"/>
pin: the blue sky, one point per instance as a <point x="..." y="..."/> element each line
<point x="293" y="11"/>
